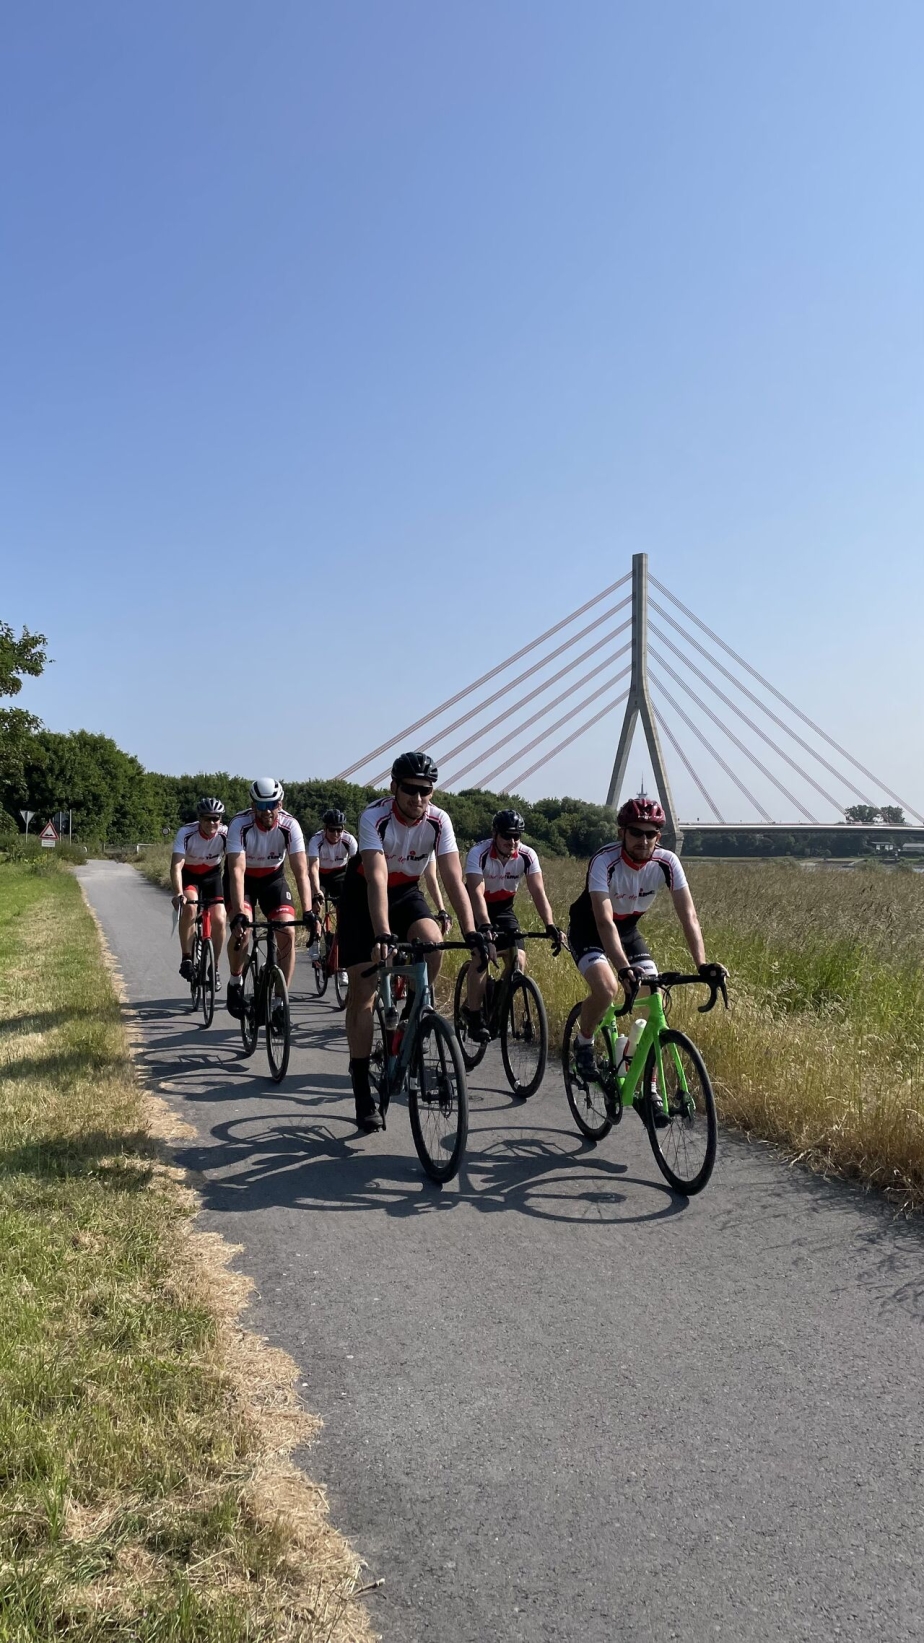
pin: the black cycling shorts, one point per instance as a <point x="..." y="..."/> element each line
<point x="406" y="904"/>
<point x="271" y="894"/>
<point x="209" y="886"/>
<point x="586" y="946"/>
<point x="507" y="925"/>
<point x="332" y="885"/>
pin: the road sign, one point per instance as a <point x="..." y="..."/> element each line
<point x="49" y="836"/>
<point x="27" y="817"/>
<point x="60" y="821"/>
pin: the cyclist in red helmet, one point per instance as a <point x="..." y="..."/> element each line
<point x="622" y="882"/>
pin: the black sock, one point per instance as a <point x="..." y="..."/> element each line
<point x="359" y="1073"/>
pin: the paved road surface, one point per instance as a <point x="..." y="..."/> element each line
<point x="560" y="1404"/>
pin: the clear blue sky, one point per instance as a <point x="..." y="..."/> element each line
<point x="348" y="346"/>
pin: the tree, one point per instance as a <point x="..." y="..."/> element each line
<point x="893" y="815"/>
<point x="24" y="655"/>
<point x="865" y="814"/>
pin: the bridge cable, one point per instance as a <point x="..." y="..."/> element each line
<point x="742" y="746"/>
<point x="524" y="700"/>
<point x="663" y="725"/>
<point x="714" y="751"/>
<point x="524" y="774"/>
<point x="471" y="712"/>
<point x="486" y="752"/>
<point x="491" y="674"/>
<point x="787" y="703"/>
<point x="550" y="729"/>
<point x="748" y="721"/>
<point x="794" y="734"/>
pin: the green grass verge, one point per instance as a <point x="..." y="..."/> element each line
<point x="141" y="1495"/>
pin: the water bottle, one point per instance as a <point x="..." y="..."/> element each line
<point x="635" y="1033"/>
<point x="622" y="1060"/>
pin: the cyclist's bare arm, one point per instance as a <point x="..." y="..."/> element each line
<point x="606" y="929"/>
<point x="314" y="875"/>
<point x="176" y="874"/>
<point x="474" y="884"/>
<point x="543" y="906"/>
<point x="453" y="883"/>
<point x="432" y="884"/>
<point x="375" y="868"/>
<point x="236" y="881"/>
<point x="686" y="912"/>
<point x="299" y="865"/>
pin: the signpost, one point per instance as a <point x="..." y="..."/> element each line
<point x="49" y="836"/>
<point x="27" y="817"/>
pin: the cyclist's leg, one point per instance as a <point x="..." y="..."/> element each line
<point x="188" y="912"/>
<point x="357" y="939"/>
<point x="239" y="940"/>
<point x="603" y="989"/>
<point x="412" y="920"/>
<point x="277" y="904"/>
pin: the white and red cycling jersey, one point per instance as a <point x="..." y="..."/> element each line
<point x="406" y="846"/>
<point x="502" y="877"/>
<point x="630" y="887"/>
<point x="264" y="851"/>
<point x="331" y="858"/>
<point x="202" y="854"/>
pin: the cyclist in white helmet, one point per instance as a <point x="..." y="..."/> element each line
<point x="259" y="840"/>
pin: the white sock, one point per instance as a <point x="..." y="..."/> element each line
<point x="580" y="1039"/>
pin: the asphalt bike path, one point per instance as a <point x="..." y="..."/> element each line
<point x="559" y="1402"/>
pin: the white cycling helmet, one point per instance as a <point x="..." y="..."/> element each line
<point x="266" y="791"/>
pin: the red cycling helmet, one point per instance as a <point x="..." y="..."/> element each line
<point x="640" y="810"/>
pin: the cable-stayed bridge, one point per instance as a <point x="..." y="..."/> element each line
<point x="678" y="683"/>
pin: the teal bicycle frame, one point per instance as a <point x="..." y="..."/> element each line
<point x="401" y="1035"/>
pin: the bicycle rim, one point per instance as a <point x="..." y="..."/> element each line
<point x="684" y="1141"/>
<point x="341" y="988"/>
<point x="439" y="1105"/>
<point x="524" y="1036"/>
<point x="472" y="1051"/>
<point x="378" y="1061"/>
<point x="587" y="1100"/>
<point x="249" y="1025"/>
<point x="195" y="984"/>
<point x="278" y="1024"/>
<point x="320" y="972"/>
<point x="207" y="983"/>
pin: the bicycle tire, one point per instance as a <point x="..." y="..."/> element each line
<point x="472" y="1055"/>
<point x="438" y="1106"/>
<point x="671" y="1142"/>
<point x="378" y="1061"/>
<point x="535" y="1023"/>
<point x="207" y="983"/>
<point x="250" y="992"/>
<point x="278" y="1039"/>
<point x="320" y="970"/>
<point x="194" y="985"/>
<point x="587" y="1101"/>
<point x="341" y="988"/>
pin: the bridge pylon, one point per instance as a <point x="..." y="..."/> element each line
<point x="638" y="706"/>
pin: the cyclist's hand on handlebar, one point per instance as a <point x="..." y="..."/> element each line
<point x="384" y="946"/>
<point x="557" y="938"/>
<point x="631" y="977"/>
<point x="714" y="976"/>
<point x="179" y="900"/>
<point x="712" y="972"/>
<point x="481" y="945"/>
<point x="444" y="920"/>
<point x="310" y="921"/>
<point x="317" y="899"/>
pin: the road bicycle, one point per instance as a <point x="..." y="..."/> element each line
<point x="417" y="1052"/>
<point x="202" y="985"/>
<point x="674" y="1099"/>
<point x="327" y="963"/>
<point x="514" y="1012"/>
<point x="265" y="1001"/>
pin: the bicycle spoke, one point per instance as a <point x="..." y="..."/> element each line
<point x="679" y="1113"/>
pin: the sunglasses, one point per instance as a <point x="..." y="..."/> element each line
<point x="643" y="833"/>
<point x="272" y="804"/>
<point x="415" y="792"/>
<point x="511" y="836"/>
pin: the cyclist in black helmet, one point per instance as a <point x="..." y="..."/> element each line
<point x="494" y="870"/>
<point x="382" y="902"/>
<point x="196" y="876"/>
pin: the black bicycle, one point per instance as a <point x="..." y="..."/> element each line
<point x="202" y="985"/>
<point x="417" y="1051"/>
<point x="327" y="963"/>
<point x="514" y="1012"/>
<point x="266" y="1001"/>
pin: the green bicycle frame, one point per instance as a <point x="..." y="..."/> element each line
<point x="650" y="1039"/>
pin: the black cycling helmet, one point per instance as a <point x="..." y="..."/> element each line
<point x="418" y="765"/>
<point x="334" y="818"/>
<point x="508" y="821"/>
<point x="210" y="807"/>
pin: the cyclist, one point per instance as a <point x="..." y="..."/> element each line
<point x="494" y="870"/>
<point x="329" y="850"/>
<point x="622" y="882"/>
<point x="382" y="902"/>
<point x="259" y="840"/>
<point x="196" y="875"/>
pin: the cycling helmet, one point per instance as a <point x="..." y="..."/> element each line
<point x="334" y="818"/>
<point x="210" y="807"/>
<point x="417" y="765"/>
<point x="640" y="810"/>
<point x="508" y="821"/>
<point x="266" y="790"/>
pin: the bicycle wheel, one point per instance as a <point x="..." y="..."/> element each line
<point x="378" y="1061"/>
<point x="206" y="974"/>
<point x="195" y="984"/>
<point x="320" y="966"/>
<point x="249" y="994"/>
<point x="683" y="1139"/>
<point x="472" y="1050"/>
<point x="587" y="1100"/>
<point x="439" y="1104"/>
<point x="524" y="1036"/>
<point x="341" y="986"/>
<point x="278" y="1024"/>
